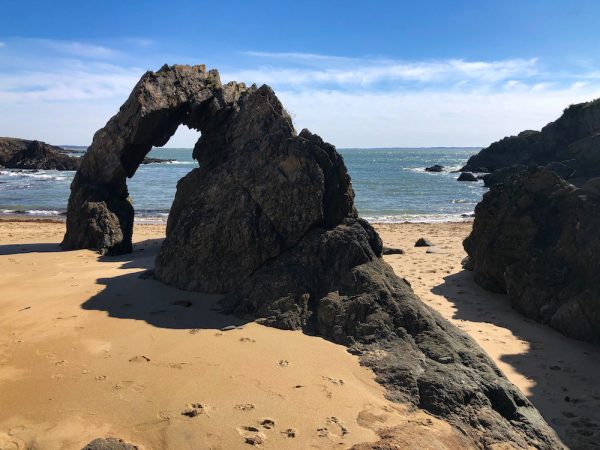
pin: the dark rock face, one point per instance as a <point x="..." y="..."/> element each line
<point x="268" y="219"/>
<point x="23" y="154"/>
<point x="434" y="168"/>
<point x="109" y="444"/>
<point x="573" y="140"/>
<point x="535" y="237"/>
<point x="100" y="214"/>
<point x="467" y="176"/>
<point x="148" y="160"/>
<point x="499" y="175"/>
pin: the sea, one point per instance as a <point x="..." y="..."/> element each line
<point x="391" y="185"/>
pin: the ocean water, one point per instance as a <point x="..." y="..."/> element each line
<point x="391" y="185"/>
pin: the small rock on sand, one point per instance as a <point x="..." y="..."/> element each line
<point x="423" y="242"/>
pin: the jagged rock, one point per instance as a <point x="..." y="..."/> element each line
<point x="268" y="220"/>
<point x="467" y="176"/>
<point x="110" y="444"/>
<point x="535" y="237"/>
<point x="434" y="168"/>
<point x="22" y="154"/>
<point x="499" y="175"/>
<point x="562" y="169"/>
<point x="424" y="242"/>
<point x="573" y="138"/>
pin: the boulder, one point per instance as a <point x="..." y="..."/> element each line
<point x="110" y="444"/>
<point x="424" y="242"/>
<point x="535" y="238"/>
<point x="23" y="154"/>
<point x="434" y="168"/>
<point x="268" y="221"/>
<point x="467" y="176"/>
<point x="572" y="138"/>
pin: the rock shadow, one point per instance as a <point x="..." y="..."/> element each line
<point x="19" y="249"/>
<point x="135" y="296"/>
<point x="562" y="370"/>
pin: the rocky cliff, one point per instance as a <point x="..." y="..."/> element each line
<point x="268" y="220"/>
<point x="22" y="154"/>
<point x="535" y="237"/>
<point x="569" y="146"/>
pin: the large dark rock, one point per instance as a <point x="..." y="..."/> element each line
<point x="23" y="154"/>
<point x="535" y="237"/>
<point x="573" y="140"/>
<point x="268" y="220"/>
<point x="499" y="175"/>
<point x="434" y="168"/>
<point x="467" y="176"/>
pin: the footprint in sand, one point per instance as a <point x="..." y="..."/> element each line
<point x="245" y="406"/>
<point x="8" y="442"/>
<point x="283" y="363"/>
<point x="267" y="423"/>
<point x="334" y="428"/>
<point x="339" y="382"/>
<point x="247" y="339"/>
<point x="195" y="331"/>
<point x="290" y="433"/>
<point x="100" y="378"/>
<point x="194" y="409"/>
<point x="252" y="435"/>
<point x="139" y="358"/>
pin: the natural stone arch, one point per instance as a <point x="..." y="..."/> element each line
<point x="100" y="214"/>
<point x="268" y="219"/>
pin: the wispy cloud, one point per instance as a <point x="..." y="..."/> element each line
<point x="69" y="89"/>
<point x="306" y="69"/>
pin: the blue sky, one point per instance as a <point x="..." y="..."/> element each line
<point x="361" y="74"/>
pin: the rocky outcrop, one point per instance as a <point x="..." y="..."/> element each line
<point x="22" y="154"/>
<point x="467" y="176"/>
<point x="535" y="237"/>
<point x="572" y="140"/>
<point x="434" y="168"/>
<point x="100" y="214"/>
<point x="268" y="220"/>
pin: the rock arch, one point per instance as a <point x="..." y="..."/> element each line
<point x="268" y="219"/>
<point x="100" y="215"/>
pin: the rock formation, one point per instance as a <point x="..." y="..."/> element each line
<point x="110" y="444"/>
<point x="268" y="220"/>
<point x="467" y="176"/>
<point x="22" y="154"/>
<point x="573" y="140"/>
<point x="535" y="237"/>
<point x="434" y="168"/>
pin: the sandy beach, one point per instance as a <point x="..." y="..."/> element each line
<point x="89" y="348"/>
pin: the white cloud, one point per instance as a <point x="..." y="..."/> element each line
<point x="78" y="48"/>
<point x="369" y="72"/>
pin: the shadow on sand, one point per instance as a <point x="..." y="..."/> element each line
<point x="560" y="369"/>
<point x="18" y="249"/>
<point x="132" y="296"/>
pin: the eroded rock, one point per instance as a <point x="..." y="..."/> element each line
<point x="535" y="238"/>
<point x="268" y="220"/>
